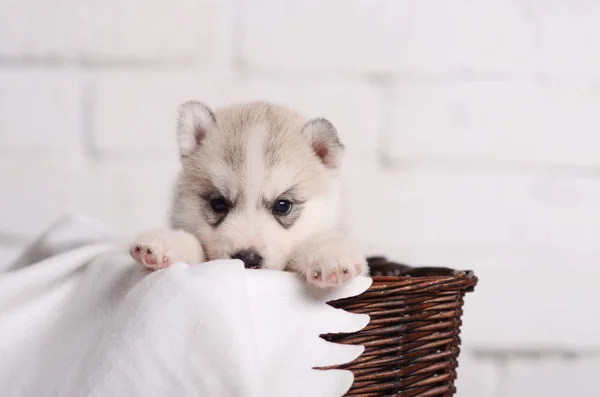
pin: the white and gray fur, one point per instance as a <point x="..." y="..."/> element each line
<point x="252" y="156"/>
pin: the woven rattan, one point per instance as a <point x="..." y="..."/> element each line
<point x="412" y="340"/>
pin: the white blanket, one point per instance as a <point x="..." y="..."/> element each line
<point x="79" y="318"/>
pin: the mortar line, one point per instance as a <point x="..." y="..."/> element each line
<point x="88" y="105"/>
<point x="385" y="85"/>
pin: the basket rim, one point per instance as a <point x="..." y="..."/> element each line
<point x="419" y="274"/>
<point x="468" y="274"/>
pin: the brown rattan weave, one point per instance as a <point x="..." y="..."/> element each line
<point x="412" y="341"/>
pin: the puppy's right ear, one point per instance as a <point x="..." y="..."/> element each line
<point x="194" y="121"/>
<point x="325" y="142"/>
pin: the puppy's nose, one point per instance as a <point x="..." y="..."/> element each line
<point x="251" y="258"/>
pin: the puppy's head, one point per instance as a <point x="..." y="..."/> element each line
<point x="256" y="180"/>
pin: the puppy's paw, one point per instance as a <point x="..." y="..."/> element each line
<point x="153" y="251"/>
<point x="329" y="259"/>
<point x="329" y="268"/>
<point x="158" y="249"/>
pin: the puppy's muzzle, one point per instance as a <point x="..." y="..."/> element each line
<point x="251" y="258"/>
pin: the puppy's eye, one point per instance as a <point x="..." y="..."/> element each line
<point x="282" y="207"/>
<point x="219" y="205"/>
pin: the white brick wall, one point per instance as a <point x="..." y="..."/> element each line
<point x="113" y="31"/>
<point x="40" y="113"/>
<point x="471" y="126"/>
<point x="385" y="36"/>
<point x="132" y="106"/>
<point x="526" y="122"/>
<point x="552" y="377"/>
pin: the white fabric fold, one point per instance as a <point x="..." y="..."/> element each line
<point x="79" y="318"/>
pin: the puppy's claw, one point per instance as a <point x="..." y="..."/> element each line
<point x="316" y="274"/>
<point x="346" y="275"/>
<point x="332" y="278"/>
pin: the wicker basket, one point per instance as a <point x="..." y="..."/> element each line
<point x="412" y="341"/>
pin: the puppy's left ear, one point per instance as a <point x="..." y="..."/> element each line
<point x="325" y="142"/>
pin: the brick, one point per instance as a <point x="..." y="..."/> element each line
<point x="36" y="192"/>
<point x="566" y="45"/>
<point x="109" y="30"/>
<point x="130" y="197"/>
<point x="149" y="30"/>
<point x="40" y="114"/>
<point x="385" y="36"/>
<point x="472" y="208"/>
<point x="515" y="311"/>
<point x="38" y="28"/>
<point x="127" y="197"/>
<point x="476" y="378"/>
<point x="527" y="123"/>
<point x="136" y="112"/>
<point x="552" y="378"/>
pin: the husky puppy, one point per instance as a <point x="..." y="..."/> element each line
<point x="258" y="183"/>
